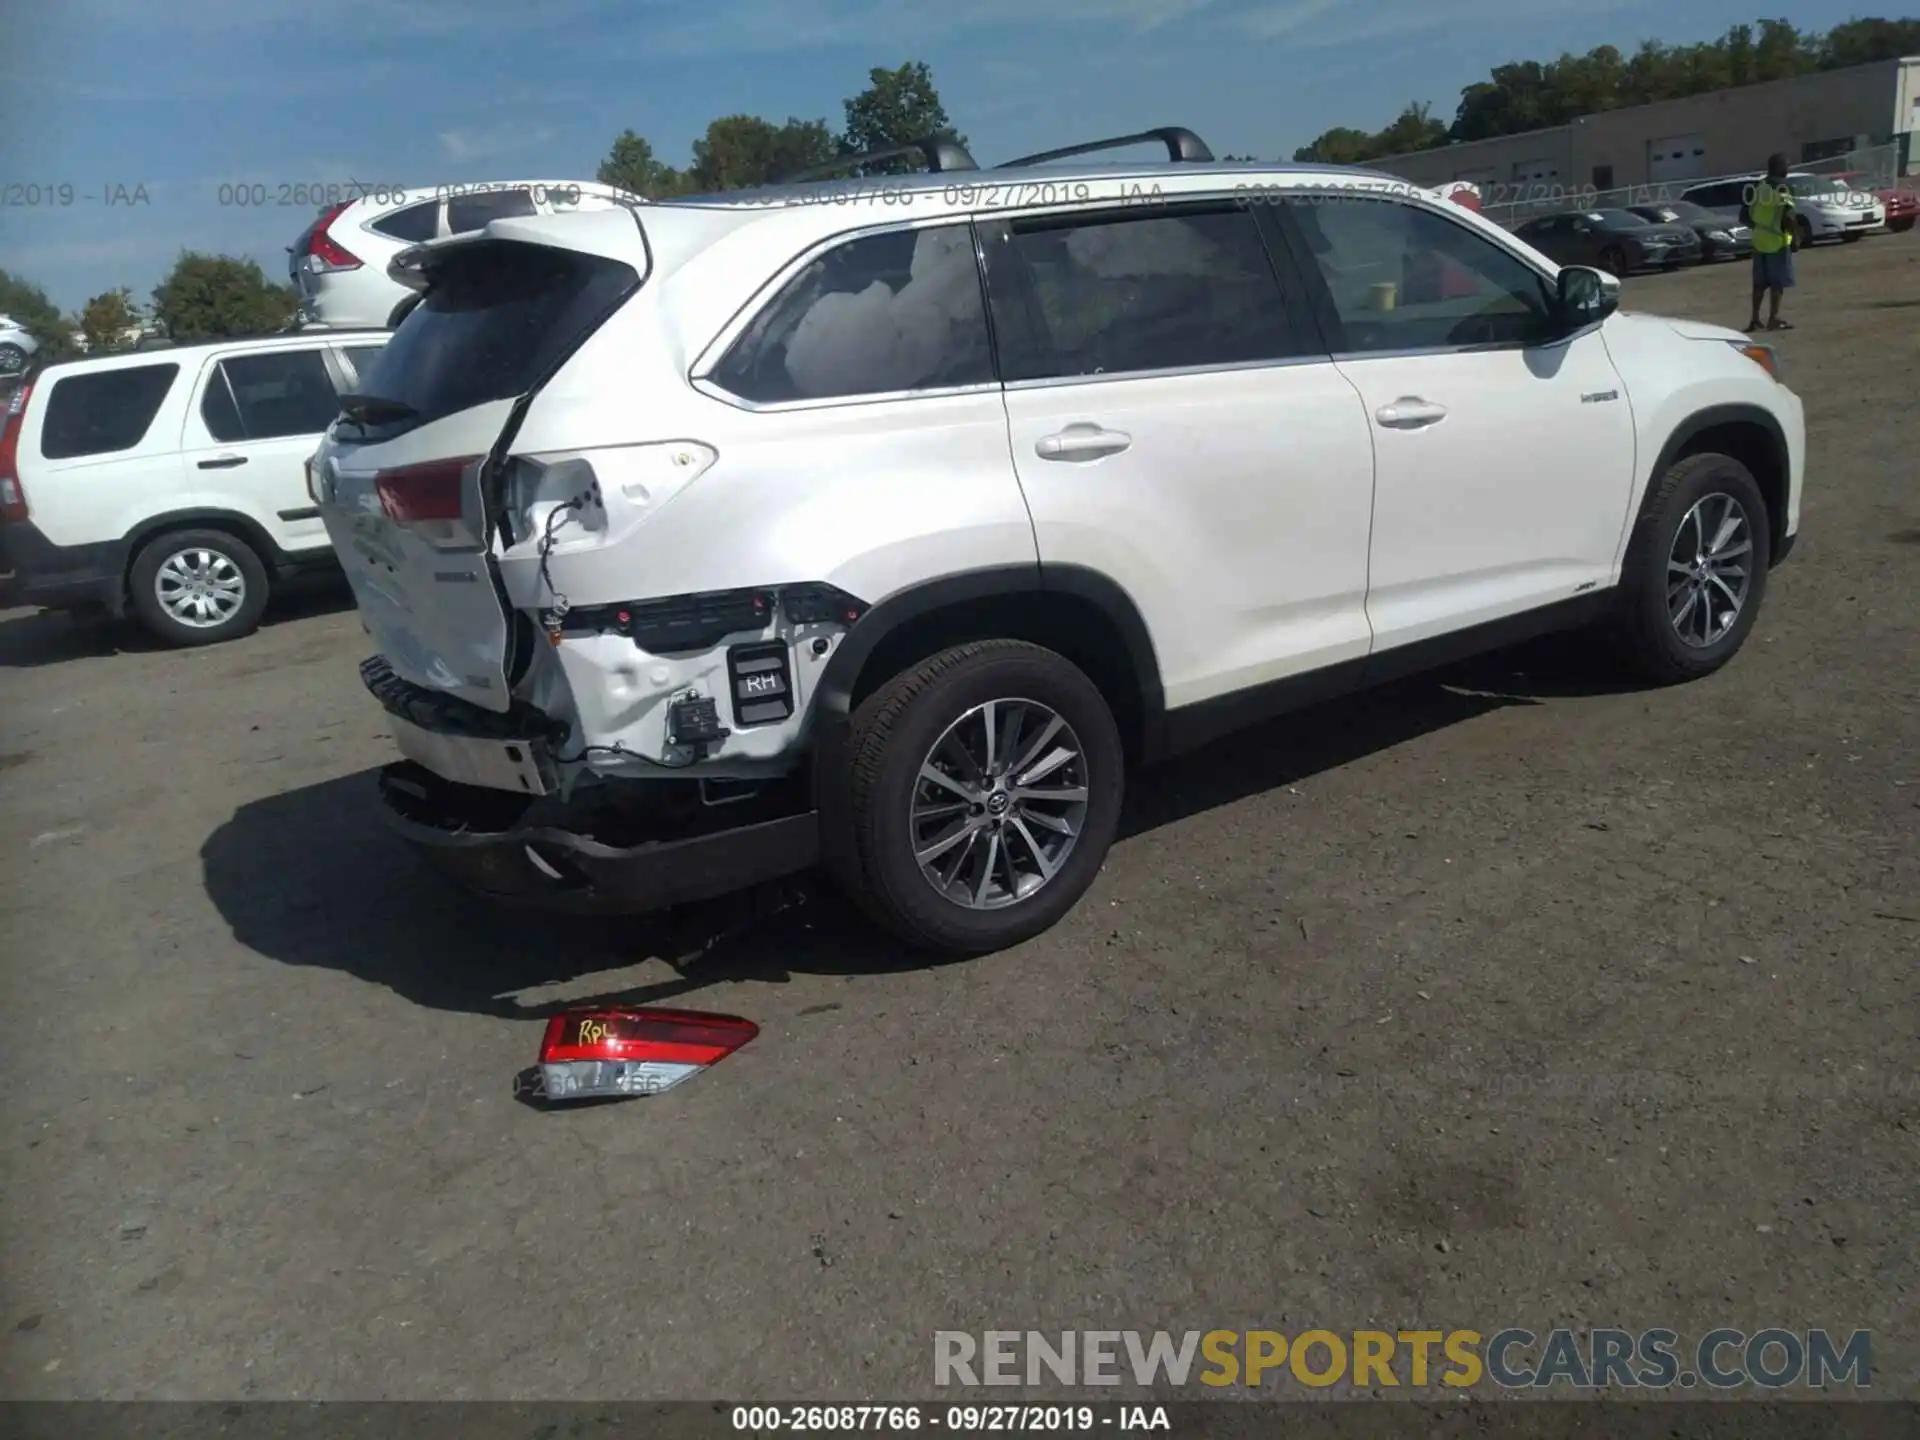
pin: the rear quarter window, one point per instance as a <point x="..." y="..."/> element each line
<point x="414" y="224"/>
<point x="104" y="412"/>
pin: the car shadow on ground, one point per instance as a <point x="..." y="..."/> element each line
<point x="311" y="876"/>
<point x="33" y="638"/>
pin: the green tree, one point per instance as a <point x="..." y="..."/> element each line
<point x="206" y="297"/>
<point x="107" y="318"/>
<point x="28" y="304"/>
<point x="897" y="107"/>
<point x="632" y="165"/>
<point x="1341" y="145"/>
<point x="1861" y="42"/>
<point x="743" y="150"/>
<point x="1414" y="130"/>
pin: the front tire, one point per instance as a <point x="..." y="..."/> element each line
<point x="198" y="587"/>
<point x="979" y="794"/>
<point x="13" y="359"/>
<point x="1614" y="261"/>
<point x="1696" y="570"/>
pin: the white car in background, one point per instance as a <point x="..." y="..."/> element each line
<point x="17" y="347"/>
<point x="1825" y="207"/>
<point x="339" y="264"/>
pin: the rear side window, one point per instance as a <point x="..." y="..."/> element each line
<point x="361" y="357"/>
<point x="414" y="224"/>
<point x="267" y="397"/>
<point x="104" y="412"/>
<point x="1127" y="291"/>
<point x="879" y="315"/>
<point x="496" y="317"/>
<point x="471" y="212"/>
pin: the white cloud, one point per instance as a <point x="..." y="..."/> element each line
<point x="491" y="144"/>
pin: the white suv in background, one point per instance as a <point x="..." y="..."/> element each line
<point x="885" y="524"/>
<point x="339" y="264"/>
<point x="172" y="482"/>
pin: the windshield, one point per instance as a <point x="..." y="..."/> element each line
<point x="496" y="317"/>
<point x="1816" y="186"/>
<point x="1619" y="219"/>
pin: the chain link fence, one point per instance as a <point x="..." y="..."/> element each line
<point x="1874" y="168"/>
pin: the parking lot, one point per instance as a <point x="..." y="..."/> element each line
<point x="1508" y="997"/>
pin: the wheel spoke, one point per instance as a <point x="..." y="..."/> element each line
<point x="1733" y="597"/>
<point x="1051" y="822"/>
<point x="986" y="724"/>
<point x="1069" y="796"/>
<point x="986" y="871"/>
<point x="941" y="846"/>
<point x="959" y="860"/>
<point x="1060" y="756"/>
<point x="1731" y="551"/>
<point x="935" y="776"/>
<point x="1680" y="616"/>
<point x="1040" y="858"/>
<point x="1009" y="735"/>
<point x="1730" y="521"/>
<point x="1052" y="728"/>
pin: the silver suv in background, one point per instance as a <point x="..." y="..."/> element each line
<point x="338" y="265"/>
<point x="17" y="347"/>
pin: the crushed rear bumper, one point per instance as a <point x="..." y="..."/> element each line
<point x="595" y="860"/>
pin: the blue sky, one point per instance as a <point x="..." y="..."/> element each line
<point x="110" y="95"/>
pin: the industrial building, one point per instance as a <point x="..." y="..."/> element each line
<point x="1824" y="116"/>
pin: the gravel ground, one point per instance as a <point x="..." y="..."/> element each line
<point x="1508" y="997"/>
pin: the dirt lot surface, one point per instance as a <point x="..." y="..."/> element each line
<point x="1509" y="997"/>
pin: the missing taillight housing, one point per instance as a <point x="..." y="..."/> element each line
<point x="433" y="490"/>
<point x="13" y="497"/>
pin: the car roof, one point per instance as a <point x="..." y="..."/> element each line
<point x="162" y="353"/>
<point x="383" y="199"/>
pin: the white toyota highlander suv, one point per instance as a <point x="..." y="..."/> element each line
<point x="884" y="524"/>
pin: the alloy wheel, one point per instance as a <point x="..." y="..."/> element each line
<point x="999" y="803"/>
<point x="1709" y="570"/>
<point x="200" y="588"/>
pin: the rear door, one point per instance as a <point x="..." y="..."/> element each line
<point x="1178" y="427"/>
<point x="252" y="422"/>
<point x="399" y="480"/>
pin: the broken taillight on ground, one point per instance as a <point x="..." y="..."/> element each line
<point x="617" y="1051"/>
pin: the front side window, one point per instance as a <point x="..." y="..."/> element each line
<point x="1126" y="291"/>
<point x="882" y="314"/>
<point x="103" y="412"/>
<point x="1402" y="277"/>
<point x="266" y="397"/>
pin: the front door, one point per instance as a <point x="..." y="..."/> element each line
<point x="1504" y="449"/>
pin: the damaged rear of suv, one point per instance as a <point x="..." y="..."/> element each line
<point x="610" y="565"/>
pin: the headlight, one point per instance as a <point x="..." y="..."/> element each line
<point x="1720" y="235"/>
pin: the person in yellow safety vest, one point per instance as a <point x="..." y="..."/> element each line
<point x="1770" y="212"/>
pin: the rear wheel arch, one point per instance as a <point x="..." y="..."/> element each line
<point x="1078" y="613"/>
<point x="241" y="527"/>
<point x="1750" y="435"/>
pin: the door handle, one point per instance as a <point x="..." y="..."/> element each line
<point x="1082" y="442"/>
<point x="223" y="462"/>
<point x="1410" y="412"/>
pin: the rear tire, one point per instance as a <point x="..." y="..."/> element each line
<point x="13" y="360"/>
<point x="197" y="587"/>
<point x="1696" y="571"/>
<point x="1007" y="860"/>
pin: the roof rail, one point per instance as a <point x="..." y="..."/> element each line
<point x="1183" y="146"/>
<point x="940" y="152"/>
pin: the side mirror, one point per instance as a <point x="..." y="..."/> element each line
<point x="1587" y="296"/>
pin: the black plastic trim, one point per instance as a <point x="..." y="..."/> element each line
<point x="940" y="153"/>
<point x="1192" y="726"/>
<point x="470" y="836"/>
<point x="59" y="576"/>
<point x="1183" y="148"/>
<point x="449" y="715"/>
<point x="305" y="512"/>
